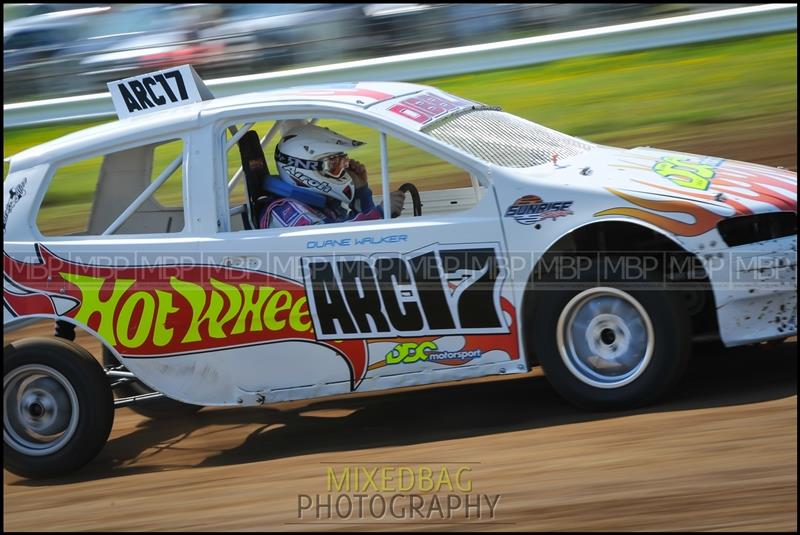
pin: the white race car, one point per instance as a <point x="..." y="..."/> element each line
<point x="600" y="264"/>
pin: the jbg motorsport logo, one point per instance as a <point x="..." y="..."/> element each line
<point x="411" y="352"/>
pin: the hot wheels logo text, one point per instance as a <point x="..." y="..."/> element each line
<point x="165" y="310"/>
<point x="221" y="312"/>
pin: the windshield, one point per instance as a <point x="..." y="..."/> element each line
<point x="503" y="139"/>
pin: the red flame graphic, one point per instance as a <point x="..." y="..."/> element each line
<point x="40" y="285"/>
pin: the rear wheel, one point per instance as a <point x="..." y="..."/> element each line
<point x="609" y="343"/>
<point x="58" y="408"/>
<point x="156" y="409"/>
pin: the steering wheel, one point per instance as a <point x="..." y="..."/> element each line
<point x="408" y="187"/>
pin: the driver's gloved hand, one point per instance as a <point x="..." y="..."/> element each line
<point x="358" y="172"/>
<point x="397" y="199"/>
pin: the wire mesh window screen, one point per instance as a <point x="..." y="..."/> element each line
<point x="504" y="139"/>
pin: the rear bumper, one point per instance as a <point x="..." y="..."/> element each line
<point x="755" y="290"/>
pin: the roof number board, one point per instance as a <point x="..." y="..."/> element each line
<point x="158" y="90"/>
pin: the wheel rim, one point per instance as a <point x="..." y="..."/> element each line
<point x="40" y="410"/>
<point x="605" y="337"/>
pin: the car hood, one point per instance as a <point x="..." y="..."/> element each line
<point x="744" y="187"/>
<point x="686" y="194"/>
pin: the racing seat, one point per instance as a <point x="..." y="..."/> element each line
<point x="254" y="175"/>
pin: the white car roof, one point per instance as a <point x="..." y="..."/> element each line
<point x="106" y="137"/>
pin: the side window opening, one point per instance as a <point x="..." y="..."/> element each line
<point x="444" y="187"/>
<point x="67" y="202"/>
<point x="86" y="198"/>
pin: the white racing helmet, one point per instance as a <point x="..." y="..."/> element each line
<point x="314" y="157"/>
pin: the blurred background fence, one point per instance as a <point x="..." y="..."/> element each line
<point x="62" y="50"/>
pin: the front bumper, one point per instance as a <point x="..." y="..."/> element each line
<point x="755" y="290"/>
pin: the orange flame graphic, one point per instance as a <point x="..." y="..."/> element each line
<point x="740" y="184"/>
<point x="705" y="220"/>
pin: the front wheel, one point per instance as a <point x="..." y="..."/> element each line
<point x="58" y="408"/>
<point x="607" y="343"/>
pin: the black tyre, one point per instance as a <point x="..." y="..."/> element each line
<point x="157" y="409"/>
<point x="607" y="342"/>
<point x="58" y="408"/>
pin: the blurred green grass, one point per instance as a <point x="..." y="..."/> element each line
<point x="652" y="95"/>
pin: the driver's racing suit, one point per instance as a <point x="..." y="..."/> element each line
<point x="282" y="212"/>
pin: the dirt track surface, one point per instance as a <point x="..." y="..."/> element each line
<point x="720" y="453"/>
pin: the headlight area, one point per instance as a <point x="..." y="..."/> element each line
<point x="755" y="228"/>
<point x="755" y="289"/>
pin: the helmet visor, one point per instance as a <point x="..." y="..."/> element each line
<point x="336" y="165"/>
